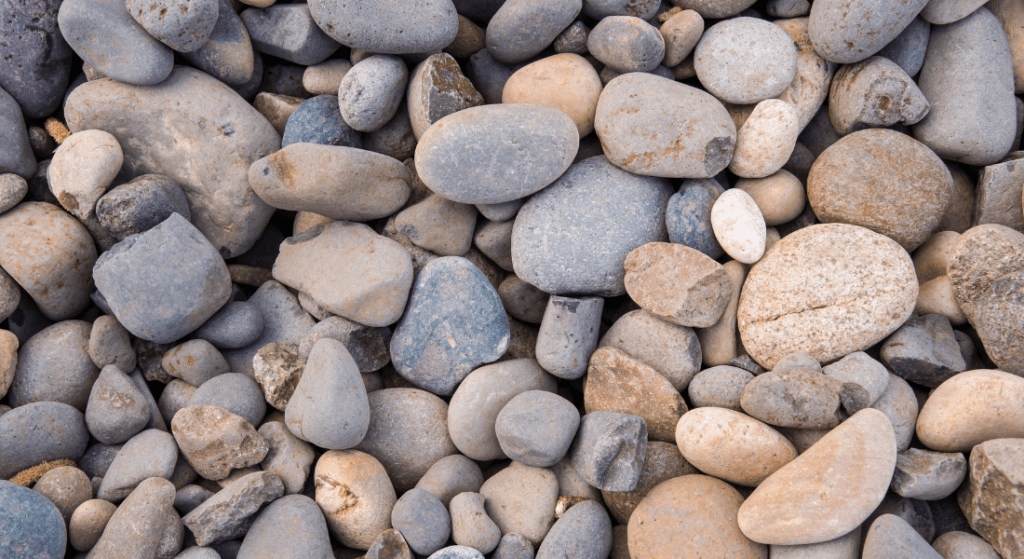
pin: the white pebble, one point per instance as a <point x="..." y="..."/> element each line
<point x="739" y="226"/>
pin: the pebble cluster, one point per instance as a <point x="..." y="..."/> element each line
<point x="638" y="279"/>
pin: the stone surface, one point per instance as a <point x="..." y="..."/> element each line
<point x="471" y="527"/>
<point x="318" y="120"/>
<point x="891" y="536"/>
<point x="18" y="159"/>
<point x="423" y="521"/>
<point x="792" y="300"/>
<point x="236" y="325"/>
<point x="215" y="441"/>
<point x="117" y="410"/>
<point x="618" y="383"/>
<point x="289" y="528"/>
<point x="780" y="197"/>
<point x="536" y="427"/>
<point x="998" y="317"/>
<point x="626" y="43"/>
<point x="584" y="531"/>
<point x="151" y="453"/>
<point x="371" y="92"/>
<point x="677" y="283"/>
<point x="521" y="29"/>
<point x="40" y="432"/>
<point x="40" y="58"/>
<point x="971" y="408"/>
<point x="521" y="499"/>
<point x="87" y="523"/>
<point x="289" y="457"/>
<point x="236" y="392"/>
<point x="961" y="545"/>
<point x="566" y="82"/>
<point x="329" y="406"/>
<point x="355" y="496"/>
<point x="228" y="54"/>
<point x="799" y="398"/>
<point x="229" y="513"/>
<point x="732" y="446"/>
<point x="874" y="93"/>
<point x="924" y="351"/>
<point x="854" y="462"/>
<point x="998" y="192"/>
<point x="745" y="60"/>
<point x="609" y="450"/>
<point x="450" y="476"/>
<point x="650" y="125"/>
<point x="82" y="168"/>
<point x="402" y="28"/>
<point x="389" y="545"/>
<point x="720" y="386"/>
<point x="439" y="225"/>
<point x="30" y="525"/>
<point x="140" y="205"/>
<point x="568" y="335"/>
<point x="930" y="476"/>
<point x="288" y="32"/>
<point x="138" y="525"/>
<point x="672" y="350"/>
<point x="688" y="216"/>
<point x="437" y="88"/>
<point x="54" y="366"/>
<point x="846" y="33"/>
<point x="859" y="368"/>
<point x="183" y="26"/>
<point x="195" y="362"/>
<point x="983" y="255"/>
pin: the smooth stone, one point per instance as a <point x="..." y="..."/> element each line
<point x="904" y="208"/>
<point x="13" y="190"/>
<point x="971" y="408"/>
<point x="690" y="517"/>
<point x="677" y="283"/>
<point x="215" y="441"/>
<point x="662" y="462"/>
<point x="288" y="32"/>
<point x="195" y="362"/>
<point x="151" y="453"/>
<point x="137" y="526"/>
<point x="82" y="168"/>
<point x="66" y="487"/>
<point x="908" y="49"/>
<point x="98" y="459"/>
<point x="513" y="546"/>
<point x="174" y="397"/>
<point x="8" y="360"/>
<point x="439" y="225"/>
<point x="961" y="545"/>
<point x="626" y="43"/>
<point x="18" y="158"/>
<point x="316" y="120"/>
<point x="854" y="461"/>
<point x="874" y="93"/>
<point x="521" y="499"/>
<point x="423" y="521"/>
<point x="54" y="366"/>
<point x="604" y="212"/>
<point x="891" y="536"/>
<point x="794" y="398"/>
<point x="329" y="406"/>
<point x="355" y="496"/>
<point x="394" y="139"/>
<point x="471" y="527"/>
<point x="184" y="26"/>
<point x="1010" y="16"/>
<point x="792" y="290"/>
<point x="715" y="9"/>
<point x="522" y="301"/>
<point x="924" y="351"/>
<point x="437" y="88"/>
<point x="932" y="258"/>
<point x="30" y="525"/>
<point x="39" y="57"/>
<point x="860" y="368"/>
<point x="931" y="476"/>
<point x="228" y="54"/>
<point x="495" y="241"/>
<point x="745" y="60"/>
<point x="518" y="154"/>
<point x="720" y="387"/>
<point x="810" y="86"/>
<point x="236" y="392"/>
<point x="899" y="404"/>
<point x="370" y="290"/>
<point x="536" y="427"/>
<point x="983" y="255"/>
<point x="681" y="32"/>
<point x="456" y="552"/>
<point x="521" y="28"/>
<point x="403" y="28"/>
<point x="325" y="77"/>
<point x="938" y="297"/>
<point x="998" y="192"/>
<point x="609" y="450"/>
<point x="845" y="33"/>
<point x="688" y="216"/>
<point x="766" y="139"/>
<point x="291" y="527"/>
<point x="639" y="114"/>
<point x="732" y="446"/>
<point x="140" y="205"/>
<point x="371" y="92"/>
<point x="104" y="34"/>
<point x="189" y="497"/>
<point x="87" y="523"/>
<point x="739" y="226"/>
<point x="236" y="325"/>
<point x="780" y="197"/>
<point x="572" y="39"/>
<point x="284" y="322"/>
<point x="229" y="513"/>
<point x="943" y="12"/>
<point x="991" y="498"/>
<point x="973" y="112"/>
<point x="568" y="335"/>
<point x="450" y="476"/>
<point x="389" y="545"/>
<point x="289" y="457"/>
<point x="489" y="76"/>
<point x="566" y="82"/>
<point x="958" y="216"/>
<point x="40" y="432"/>
<point x="116" y="409"/>
<point x="50" y="255"/>
<point x="222" y="204"/>
<point x="618" y="383"/>
<point x="584" y="531"/>
<point x="670" y="349"/>
<point x="367" y="345"/>
<point x="843" y="547"/>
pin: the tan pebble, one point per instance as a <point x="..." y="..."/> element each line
<point x="681" y="32"/>
<point x="522" y="499"/>
<point x="469" y="39"/>
<point x="276" y="108"/>
<point x="992" y="498"/>
<point x="720" y="343"/>
<point x="87" y="523"/>
<point x="324" y="78"/>
<point x="663" y="462"/>
<point x="677" y="283"/>
<point x="566" y="82"/>
<point x="355" y="495"/>
<point x="766" y="140"/>
<point x="971" y="408"/>
<point x="732" y="446"/>
<point x="937" y="297"/>
<point x="780" y="196"/>
<point x="932" y="257"/>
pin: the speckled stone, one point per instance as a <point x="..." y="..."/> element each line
<point x="626" y="43"/>
<point x="745" y="60"/>
<point x="54" y="366"/>
<point x="87" y="523"/>
<point x="116" y="409"/>
<point x="961" y="545"/>
<point x="288" y="31"/>
<point x="720" y="387"/>
<point x="971" y="408"/>
<point x="31" y="527"/>
<point x="732" y="446"/>
<point x="236" y="325"/>
<point x="402" y="28"/>
<point x="794" y="398"/>
<point x="215" y="441"/>
<point x="39" y="58"/>
<point x="521" y="499"/>
<point x="891" y="536"/>
<point x="236" y="392"/>
<point x="228" y="54"/>
<point x="151" y="453"/>
<point x="229" y="513"/>
<point x="289" y="528"/>
<point x="847" y="33"/>
<point x="437" y="89"/>
<point x="140" y="205"/>
<point x="138" y="526"/>
<point x="991" y="498"/>
<point x="318" y="120"/>
<point x="983" y="255"/>
<point x="874" y="93"/>
<point x="688" y="216"/>
<point x="40" y="432"/>
<point x="924" y="351"/>
<point x="677" y="284"/>
<point x="672" y="350"/>
<point x="182" y="25"/>
<point x="766" y="139"/>
<point x="521" y="29"/>
<point x="371" y="92"/>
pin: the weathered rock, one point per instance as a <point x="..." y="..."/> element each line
<point x="183" y="26"/>
<point x="318" y="120"/>
<point x="745" y="60"/>
<point x="329" y="406"/>
<point x="54" y="366"/>
<point x="677" y="283"/>
<point x="983" y="255"/>
<point x="794" y="398"/>
<point x="845" y="33"/>
<point x="998" y="192"/>
<point x="215" y="441"/>
<point x="924" y="351"/>
<point x="39" y="58"/>
<point x="423" y="521"/>
<point x="229" y="513"/>
<point x="618" y="383"/>
<point x="450" y="476"/>
<point x="568" y="335"/>
<point x="236" y="325"/>
<point x="584" y="531"/>
<point x="236" y="392"/>
<point x="66" y="487"/>
<point x="732" y="446"/>
<point x="859" y="368"/>
<point x="290" y="527"/>
<point x="81" y="170"/>
<point x="961" y="545"/>
<point x="874" y="93"/>
<point x="138" y="525"/>
<point x="40" y="432"/>
<point x="521" y="29"/>
<point x="355" y="495"/>
<point x="228" y="54"/>
<point x="388" y="29"/>
<point x="609" y="450"/>
<point x="521" y="499"/>
<point x="971" y="408"/>
<point x="921" y="474"/>
<point x="998" y="318"/>
<point x="389" y="545"/>
<point x="625" y="43"/>
<point x="810" y="85"/>
<point x="536" y="428"/>
<point x="437" y="89"/>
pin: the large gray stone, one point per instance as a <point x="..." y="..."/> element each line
<point x="291" y="527"/>
<point x="423" y="520"/>
<point x="17" y="156"/>
<point x="151" y="453"/>
<point x="609" y="450"/>
<point x="54" y="366"/>
<point x="288" y="31"/>
<point x="139" y="524"/>
<point x="405" y="27"/>
<point x="40" y="432"/>
<point x="38" y="59"/>
<point x="745" y="60"/>
<point x="846" y="32"/>
<point x="523" y="28"/>
<point x="31" y="527"/>
<point x="583" y="532"/>
<point x="229" y="513"/>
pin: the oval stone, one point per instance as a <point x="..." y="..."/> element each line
<point x="355" y="496"/>
<point x="31" y="527"/>
<point x="654" y="126"/>
<point x="40" y="432"/>
<point x="329" y="406"/>
<point x="289" y="528"/>
<point x="827" y="291"/>
<point x="745" y="60"/>
<point x="403" y="27"/>
<point x="732" y="446"/>
<point x="971" y="408"/>
<point x="496" y="153"/>
<point x="846" y="31"/>
<point x="523" y="28"/>
<point x="739" y="226"/>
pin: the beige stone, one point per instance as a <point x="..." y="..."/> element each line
<point x="959" y="213"/>
<point x="779" y="196"/>
<point x="82" y="168"/>
<point x="438" y="225"/>
<point x="720" y="343"/>
<point x="216" y="441"/>
<point x="961" y="545"/>
<point x="87" y="523"/>
<point x="663" y="462"/>
<point x="766" y="140"/>
<point x="932" y="257"/>
<point x="566" y="82"/>
<point x="938" y="297"/>
<point x="681" y="32"/>
<point x="971" y="408"/>
<point x="828" y="490"/>
<point x="993" y="497"/>
<point x="521" y="499"/>
<point x="437" y="88"/>
<point x="276" y="108"/>
<point x="739" y="226"/>
<point x="732" y="446"/>
<point x="810" y="86"/>
<point x="324" y="78"/>
<point x="8" y="360"/>
<point x="355" y="495"/>
<point x="984" y="254"/>
<point x="1011" y="15"/>
<point x="469" y="39"/>
<point x="677" y="283"/>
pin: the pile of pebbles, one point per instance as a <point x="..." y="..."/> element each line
<point x="511" y="278"/>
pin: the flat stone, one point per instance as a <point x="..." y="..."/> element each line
<point x="677" y="284"/>
<point x="650" y="125"/>
<point x="793" y="291"/>
<point x="404" y="28"/>
<point x="688" y="216"/>
<point x="521" y="29"/>
<point x="721" y="387"/>
<point x="843" y="547"/>
<point x="874" y="93"/>
<point x="971" y="408"/>
<point x="54" y="366"/>
<point x="521" y="499"/>
<point x="732" y="446"/>
<point x="609" y="450"/>
<point x="854" y="462"/>
<point x="794" y="398"/>
<point x="891" y="536"/>
<point x="39" y="57"/>
<point x="138" y="525"/>
<point x="116" y="409"/>
<point x="745" y="60"/>
<point x="1009" y="15"/>
<point x="215" y="441"/>
<point x="329" y="406"/>
<point x="355" y="495"/>
<point x="924" y="351"/>
<point x="846" y="33"/>
<point x="317" y="120"/>
<point x="922" y="474"/>
<point x="288" y="32"/>
<point x="223" y="205"/>
<point x="230" y="513"/>
<point x="536" y="427"/>
<point x="291" y="527"/>
<point x="184" y="26"/>
<point x="437" y="88"/>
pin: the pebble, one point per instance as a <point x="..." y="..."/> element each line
<point x="766" y="139"/>
<point x="371" y="290"/>
<point x="195" y="362"/>
<point x="471" y="527"/>
<point x="618" y="383"/>
<point x="17" y="159"/>
<point x="450" y="476"/>
<point x="8" y="360"/>
<point x="355" y="495"/>
<point x="521" y="29"/>
<point x="650" y="125"/>
<point x="566" y="82"/>
<point x="183" y="26"/>
<point x="236" y="392"/>
<point x="151" y="453"/>
<point x="456" y="552"/>
<point x="117" y="410"/>
<point x="997" y="318"/>
<point x="938" y="297"/>
<point x="371" y="92"/>
<point x="229" y="513"/>
<point x="739" y="226"/>
<point x="899" y="404"/>
<point x="1009" y="14"/>
<point x="626" y="44"/>
<point x="689" y="517"/>
<point x="367" y="345"/>
<point x="794" y="398"/>
<point x="942" y="12"/>
<point x="924" y="351"/>
<point x="998" y="192"/>
<point x="983" y="255"/>
<point x="845" y="34"/>
<point x="394" y="139"/>
<point x="672" y="350"/>
<point x="568" y="335"/>
<point x="609" y="450"/>
<point x="720" y="387"/>
<point x="277" y="109"/>
<point x="329" y="407"/>
<point x="82" y="168"/>
<point x="971" y="408"/>
<point x="389" y="545"/>
<point x="215" y="441"/>
<point x="780" y="197"/>
<point x="437" y="88"/>
<point x="843" y="547"/>
<point x="228" y="54"/>
<point x="325" y="78"/>
<point x="732" y="446"/>
<point x="291" y="527"/>
<point x="860" y="368"/>
<point x="584" y="531"/>
<point x="236" y="325"/>
<point x="87" y="523"/>
<point x="874" y="93"/>
<point x="716" y="9"/>
<point x="30" y="525"/>
<point x="494" y="239"/>
<point x="931" y="476"/>
<point x="422" y="520"/>
<point x="961" y="545"/>
<point x="688" y="216"/>
<point x="959" y="82"/>
<point x="318" y="120"/>
<point x="13" y="189"/>
<point x="66" y="487"/>
<point x="520" y="499"/>
<point x="745" y="60"/>
<point x="536" y="427"/>
<point x="513" y="546"/>
<point x="137" y="526"/>
<point x="54" y="366"/>
<point x="288" y="32"/>
<point x="891" y="536"/>
<point x="677" y="283"/>
<point x="439" y="225"/>
<point x="388" y="29"/>
<point x="522" y="301"/>
<point x="40" y="59"/>
<point x="681" y="33"/>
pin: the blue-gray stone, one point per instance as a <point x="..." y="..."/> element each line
<point x="372" y="91"/>
<point x="626" y="44"/>
<point x="536" y="428"/>
<point x="37" y="59"/>
<point x="17" y="156"/>
<point x="423" y="521"/>
<point x="329" y="407"/>
<point x="107" y="38"/>
<point x="572" y="238"/>
<point x="235" y="392"/>
<point x="228" y="54"/>
<point x="457" y="552"/>
<point x="236" y="325"/>
<point x="183" y="25"/>
<point x="191" y="496"/>
<point x="151" y="453"/>
<point x="907" y="50"/>
<point x="31" y="527"/>
<point x="688" y="216"/>
<point x="288" y="31"/>
<point x="583" y="532"/>
<point x="116" y="410"/>
<point x="140" y="205"/>
<point x="523" y="28"/>
<point x="39" y="432"/>
<point x="98" y="459"/>
<point x="318" y="120"/>
<point x="513" y="546"/>
<point x="388" y="27"/>
<point x="453" y="323"/>
<point x="164" y="283"/>
<point x="54" y="366"/>
<point x="489" y="76"/>
<point x="291" y="527"/>
<point x="609" y="450"/>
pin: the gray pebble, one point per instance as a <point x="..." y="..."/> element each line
<point x="927" y="475"/>
<point x="235" y="392"/>
<point x="961" y="545"/>
<point x="423" y="521"/>
<point x="371" y="92"/>
<point x="198" y="553"/>
<point x="180" y="24"/>
<point x="924" y="351"/>
<point x="719" y="387"/>
<point x="471" y="527"/>
<point x="98" y="458"/>
<point x="907" y="50"/>
<point x="87" y="523"/>
<point x="891" y="536"/>
<point x="110" y="344"/>
<point x="195" y="362"/>
<point x="116" y="409"/>
<point x="523" y="28"/>
<point x="797" y="360"/>
<point x="438" y="225"/>
<point x="536" y="428"/>
<point x="583" y="532"/>
<point x="13" y="189"/>
<point x="318" y="120"/>
<point x="568" y="335"/>
<point x="329" y="407"/>
<point x="513" y="546"/>
<point x="284" y="321"/>
<point x="228" y="54"/>
<point x="138" y="526"/>
<point x="793" y="398"/>
<point x="367" y="345"/>
<point x="626" y="44"/>
<point x="140" y="205"/>
<point x="899" y="404"/>
<point x="189" y="497"/>
<point x="288" y="31"/>
<point x="229" y="513"/>
<point x="451" y="476"/>
<point x="745" y="60"/>
<point x="688" y="216"/>
<point x="494" y="239"/>
<point x="522" y="300"/>
<point x="998" y="191"/>
<point x="30" y="525"/>
<point x="39" y="59"/>
<point x="151" y="453"/>
<point x="236" y="325"/>
<point x="874" y="93"/>
<point x="609" y="450"/>
<point x="394" y="139"/>
<point x="174" y="397"/>
<point x="672" y="350"/>
<point x="520" y="498"/>
<point x="488" y="75"/>
<point x="54" y="366"/>
<point x="788" y="8"/>
<point x="844" y="33"/>
<point x="289" y="457"/>
<point x="860" y="368"/>
<point x="573" y="39"/>
<point x="503" y="211"/>
<point x="388" y="28"/>
<point x="18" y="158"/>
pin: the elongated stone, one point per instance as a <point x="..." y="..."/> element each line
<point x="847" y="32"/>
<point x="404" y="27"/>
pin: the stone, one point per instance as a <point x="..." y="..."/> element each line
<point x="908" y="49"/>
<point x="389" y="545"/>
<point x="688" y="216"/>
<point x="874" y="93"/>
<point x="983" y="255"/>
<point x="30" y="525"/>
<point x="87" y="523"/>
<point x="494" y="240"/>
<point x="584" y="531"/>
<point x="109" y="344"/>
<point x="979" y="84"/>
<point x="66" y="487"/>
<point x="325" y="77"/>
<point x="961" y="545"/>
<point x="40" y="432"/>
<point x="932" y="258"/>
<point x="54" y="366"/>
<point x="891" y="536"/>
<point x="1009" y="15"/>
<point x="140" y="204"/>
<point x="288" y="457"/>
<point x="506" y="172"/>
<point x="899" y="404"/>
<point x="236" y="392"/>
<point x="104" y="34"/>
<point x="938" y="297"/>
<point x="288" y="32"/>
<point x="277" y="109"/>
<point x="780" y="197"/>
<point x="568" y="335"/>
<point x="860" y="368"/>
<point x="609" y="450"/>
<point x="422" y="520"/>
<point x="437" y="88"/>
<point x="942" y="12"/>
<point x="355" y="495"/>
<point x="715" y="9"/>
<point x="971" y="408"/>
<point x="732" y="446"/>
<point x="924" y="351"/>
<point x="566" y="82"/>
<point x="789" y="287"/>
<point x="681" y="32"/>
<point x="721" y="387"/>
<point x="794" y="398"/>
<point x="671" y="350"/>
<point x="8" y="360"/>
<point x="536" y="427"/>
<point x="843" y="547"/>
<point x="40" y="59"/>
<point x="846" y="34"/>
<point x="766" y="139"/>
<point x="289" y="528"/>
<point x="931" y="476"/>
<point x="236" y="325"/>
<point x="228" y="54"/>
<point x="229" y="513"/>
<point x="318" y="120"/>
<point x="222" y="204"/>
<point x="18" y="159"/>
<point x="813" y="76"/>
<point x="739" y="226"/>
<point x="904" y="196"/>
<point x="329" y="406"/>
<point x="195" y="362"/>
<point x="183" y="26"/>
<point x="215" y="441"/>
<point x="50" y="255"/>
<point x="677" y="283"/>
<point x="138" y="525"/>
<point x="151" y="453"/>
<point x="371" y="92"/>
<point x="618" y="383"/>
<point x="388" y="29"/>
<point x="662" y="462"/>
<point x="998" y="193"/>
<point x="521" y="499"/>
<point x="450" y="476"/>
<point x="513" y="546"/>
<point x="789" y="507"/>
<point x="626" y="43"/>
<point x="82" y="168"/>
<point x="521" y="29"/>
<point x="285" y="322"/>
<point x="996" y="319"/>
<point x="367" y="345"/>
<point x="439" y="225"/>
<point x="745" y="60"/>
<point x="394" y="139"/>
<point x="689" y="517"/>
<point x="650" y="125"/>
<point x="303" y="263"/>
<point x="471" y="527"/>
<point x="456" y="552"/>
<point x="13" y="189"/>
<point x="116" y="409"/>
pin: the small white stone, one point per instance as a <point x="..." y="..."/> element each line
<point x="766" y="140"/>
<point x="82" y="168"/>
<point x="739" y="226"/>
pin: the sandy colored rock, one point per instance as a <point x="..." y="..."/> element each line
<point x="932" y="258"/>
<point x="87" y="523"/>
<point x="82" y="168"/>
<point x="780" y="196"/>
<point x="355" y="495"/>
<point x="961" y="545"/>
<point x="566" y="82"/>
<point x="983" y="255"/>
<point x="216" y="441"/>
<point x="521" y="499"/>
<point x="874" y="93"/>
<point x="766" y="139"/>
<point x="677" y="283"/>
<point x="937" y="296"/>
<point x="825" y="290"/>
<point x="992" y="498"/>
<point x="732" y="446"/>
<point x="663" y="462"/>
<point x="828" y="490"/>
<point x="673" y="351"/>
<point x="810" y="86"/>
<point x="971" y="408"/>
<point x="1011" y="16"/>
<point x="720" y="343"/>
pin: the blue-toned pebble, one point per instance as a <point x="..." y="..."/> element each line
<point x="318" y="121"/>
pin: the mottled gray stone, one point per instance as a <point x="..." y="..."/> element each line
<point x="54" y="366"/>
<point x="992" y="498"/>
<point x="794" y="398"/>
<point x="38" y="59"/>
<point x="860" y="368"/>
<point x="329" y="407"/>
<point x="568" y="335"/>
<point x="288" y="31"/>
<point x="116" y="409"/>
<point x="235" y="392"/>
<point x="183" y="25"/>
<point x="523" y="28"/>
<point x="189" y="497"/>
<point x="394" y="139"/>
<point x="494" y="239"/>
<point x="626" y="44"/>
<point x="371" y="92"/>
<point x="899" y="404"/>
<point x="423" y="521"/>
<point x="17" y="158"/>
<point x="573" y="39"/>
<point x="536" y="428"/>
<point x="522" y="300"/>
<point x="688" y="216"/>
<point x="844" y="33"/>
<point x="140" y="205"/>
<point x="110" y="344"/>
<point x="719" y="387"/>
<point x="151" y="453"/>
<point x="999" y="191"/>
<point x="924" y="351"/>
<point x="471" y="527"/>
<point x="745" y="60"/>
<point x="230" y="512"/>
<point x="284" y="322"/>
<point x="216" y="441"/>
<point x="385" y="28"/>
<point x="513" y="546"/>
<point x="139" y="524"/>
<point x="438" y="225"/>
<point x="609" y="450"/>
<point x="451" y="476"/>
<point x="583" y="532"/>
<point x="236" y="325"/>
<point x="998" y="321"/>
<point x="927" y="475"/>
<point x="437" y="88"/>
<point x="907" y="50"/>
<point x="31" y="527"/>
<point x="890" y="537"/>
<point x="195" y="362"/>
<point x="228" y="54"/>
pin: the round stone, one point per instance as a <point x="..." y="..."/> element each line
<point x="745" y="60"/>
<point x="719" y="387"/>
<point x="329" y="407"/>
<point x="739" y="226"/>
<point x="845" y="32"/>
<point x="626" y="44"/>
<point x="87" y="523"/>
<point x="370" y="93"/>
<point x="971" y="408"/>
<point x="766" y="139"/>
<point x="54" y="366"/>
<point x="405" y="27"/>
<point x="235" y="392"/>
<point x="566" y="82"/>
<point x="82" y="168"/>
<point x="318" y="120"/>
<point x="422" y="520"/>
<point x="732" y="446"/>
<point x="672" y="350"/>
<point x="355" y="496"/>
<point x="40" y="432"/>
<point x="31" y="527"/>
<point x="536" y="428"/>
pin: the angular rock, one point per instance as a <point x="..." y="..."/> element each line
<point x="971" y="408"/>
<point x="845" y="33"/>
<point x="215" y="441"/>
<point x="289" y="528"/>
<point x="921" y="474"/>
<point x="924" y="351"/>
<point x="745" y="60"/>
<point x="230" y="513"/>
<point x="609" y="450"/>
<point x="138" y="525"/>
<point x="874" y="93"/>
<point x="355" y="495"/>
<point x="329" y="406"/>
<point x="618" y="383"/>
<point x="521" y="499"/>
<point x="437" y="89"/>
<point x="402" y="28"/>
<point x="677" y="283"/>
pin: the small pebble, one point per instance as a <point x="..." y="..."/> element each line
<point x="605" y="465"/>
<point x="739" y="226"/>
<point x="370" y="92"/>
<point x="235" y="392"/>
<point x="745" y="60"/>
<point x="521" y="499"/>
<point x="195" y="362"/>
<point x="87" y="523"/>
<point x="355" y="495"/>
<point x="329" y="407"/>
<point x="215" y="441"/>
<point x="568" y="335"/>
<point x="422" y="520"/>
<point x="151" y="453"/>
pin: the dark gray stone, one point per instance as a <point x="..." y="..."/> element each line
<point x="437" y="88"/>
<point x="719" y="387"/>
<point x="523" y="28"/>
<point x="329" y="407"/>
<point x="189" y="497"/>
<point x="688" y="216"/>
<point x="422" y="520"/>
<point x="139" y="525"/>
<point x="97" y="460"/>
<point x="927" y="475"/>
<point x="31" y="527"/>
<point x="453" y="323"/>
<point x="488" y="75"/>
<point x="371" y="92"/>
<point x="924" y="351"/>
<point x="17" y="155"/>
<point x="573" y="39"/>
<point x="907" y="50"/>
<point x="236" y="325"/>
<point x="583" y="532"/>
<point x="513" y="546"/>
<point x="228" y="54"/>
<point x="890" y="537"/>
<point x="794" y="398"/>
<point x="164" y="283"/>
<point x="573" y="237"/>
<point x="183" y="25"/>
<point x="140" y="205"/>
<point x="37" y="59"/>
<point x="318" y="120"/>
<point x="54" y="366"/>
<point x="291" y="527"/>
<point x="394" y="139"/>
<point x="235" y="392"/>
<point x="536" y="428"/>
<point x="288" y="31"/>
<point x="116" y="410"/>
<point x="626" y="44"/>
<point x="388" y="28"/>
<point x="568" y="335"/>
<point x="106" y="36"/>
<point x="609" y="450"/>
<point x="151" y="453"/>
<point x="367" y="345"/>
<point x="229" y="513"/>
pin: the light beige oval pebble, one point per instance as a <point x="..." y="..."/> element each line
<point x="932" y="257"/>
<point x="971" y="408"/>
<point x="937" y="297"/>
<point x="566" y="82"/>
<point x="780" y="196"/>
<point x="739" y="226"/>
<point x="82" y="168"/>
<point x="355" y="495"/>
<point x="766" y="140"/>
<point x="732" y="446"/>
<point x="87" y="523"/>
